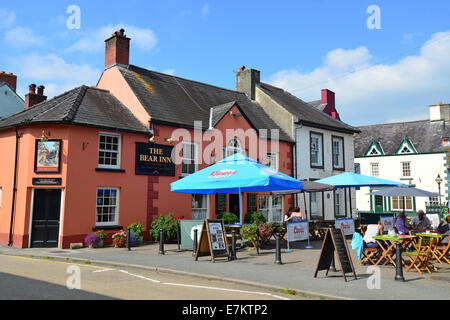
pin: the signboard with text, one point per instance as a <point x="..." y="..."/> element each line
<point x="298" y="231"/>
<point x="346" y="224"/>
<point x="388" y="222"/>
<point x="154" y="159"/>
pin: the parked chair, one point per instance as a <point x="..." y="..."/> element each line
<point x="420" y="258"/>
<point x="442" y="252"/>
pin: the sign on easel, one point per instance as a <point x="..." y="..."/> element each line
<point x="212" y="240"/>
<point x="335" y="241"/>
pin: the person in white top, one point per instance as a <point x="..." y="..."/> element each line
<point x="372" y="231"/>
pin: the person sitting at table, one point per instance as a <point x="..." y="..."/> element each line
<point x="420" y="222"/>
<point x="444" y="227"/>
<point x="288" y="216"/>
<point x="400" y="224"/>
<point x="372" y="231"/>
<point x="297" y="215"/>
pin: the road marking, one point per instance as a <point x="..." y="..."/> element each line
<point x="196" y="286"/>
<point x="40" y="259"/>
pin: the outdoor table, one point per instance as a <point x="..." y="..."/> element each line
<point x="390" y="252"/>
<point x="237" y="229"/>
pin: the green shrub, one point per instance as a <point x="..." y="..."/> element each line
<point x="167" y="223"/>
<point x="137" y="228"/>
<point x="250" y="232"/>
<point x="254" y="217"/>
<point x="228" y="217"/>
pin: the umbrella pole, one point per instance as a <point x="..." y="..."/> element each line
<point x="306" y="216"/>
<point x="350" y="198"/>
<point x="345" y="197"/>
<point x="240" y="206"/>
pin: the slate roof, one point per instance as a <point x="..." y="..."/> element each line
<point x="84" y="105"/>
<point x="219" y="111"/>
<point x="425" y="136"/>
<point x="318" y="104"/>
<point x="176" y="101"/>
<point x="306" y="113"/>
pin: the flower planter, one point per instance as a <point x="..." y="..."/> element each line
<point x="100" y="243"/>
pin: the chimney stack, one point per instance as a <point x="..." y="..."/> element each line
<point x="117" y="49"/>
<point x="440" y="112"/>
<point x="32" y="98"/>
<point x="246" y="81"/>
<point x="328" y="98"/>
<point x="9" y="78"/>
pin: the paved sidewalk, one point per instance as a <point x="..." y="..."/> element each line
<point x="296" y="272"/>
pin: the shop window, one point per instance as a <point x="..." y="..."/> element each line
<point x="109" y="151"/>
<point x="200" y="206"/>
<point x="316" y="150"/>
<point x="107" y="206"/>
<point x="338" y="153"/>
<point x="189" y="158"/>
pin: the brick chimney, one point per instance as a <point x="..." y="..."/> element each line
<point x="328" y="98"/>
<point x="117" y="49"/>
<point x="9" y="78"/>
<point x="32" y="98"/>
<point x="246" y="81"/>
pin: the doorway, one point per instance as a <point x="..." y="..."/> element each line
<point x="46" y="218"/>
<point x="234" y="203"/>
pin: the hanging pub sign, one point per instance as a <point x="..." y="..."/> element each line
<point x="47" y="157"/>
<point x="154" y="159"/>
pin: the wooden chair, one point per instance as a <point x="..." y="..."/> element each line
<point x="369" y="255"/>
<point x="442" y="252"/>
<point x="420" y="258"/>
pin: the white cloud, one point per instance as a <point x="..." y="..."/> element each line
<point x="7" y="18"/>
<point x="53" y="72"/>
<point x="205" y="10"/>
<point x="93" y="40"/>
<point x="367" y="92"/>
<point x="23" y="37"/>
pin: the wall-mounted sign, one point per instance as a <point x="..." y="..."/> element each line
<point x="47" y="181"/>
<point x="47" y="156"/>
<point x="154" y="159"/>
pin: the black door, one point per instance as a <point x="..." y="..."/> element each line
<point x="46" y="212"/>
<point x="234" y="203"/>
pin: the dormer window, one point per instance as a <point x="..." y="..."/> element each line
<point x="406" y="148"/>
<point x="374" y="150"/>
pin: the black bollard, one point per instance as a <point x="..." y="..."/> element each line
<point x="128" y="239"/>
<point x="398" y="263"/>
<point x="161" y="241"/>
<point x="195" y="243"/>
<point x="278" y="249"/>
<point x="233" y="245"/>
<point x="178" y="236"/>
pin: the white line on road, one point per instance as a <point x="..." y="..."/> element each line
<point x="194" y="286"/>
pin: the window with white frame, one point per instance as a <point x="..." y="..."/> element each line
<point x="406" y="169"/>
<point x="109" y="150"/>
<point x="107" y="206"/>
<point x="234" y="146"/>
<point x="338" y="153"/>
<point x="374" y="169"/>
<point x="272" y="160"/>
<point x="189" y="163"/>
<point x="337" y="204"/>
<point x="316" y="148"/>
<point x="200" y="207"/>
<point x="397" y="203"/>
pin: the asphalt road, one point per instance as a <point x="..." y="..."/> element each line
<point x="28" y="278"/>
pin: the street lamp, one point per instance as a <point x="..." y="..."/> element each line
<point x="439" y="181"/>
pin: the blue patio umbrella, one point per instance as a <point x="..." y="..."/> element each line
<point x="354" y="180"/>
<point x="235" y="174"/>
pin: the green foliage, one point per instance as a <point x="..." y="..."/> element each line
<point x="137" y="228"/>
<point x="277" y="227"/>
<point x="250" y="232"/>
<point x="254" y="217"/>
<point x="167" y="223"/>
<point x="228" y="217"/>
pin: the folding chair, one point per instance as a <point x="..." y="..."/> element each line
<point x="442" y="252"/>
<point x="420" y="258"/>
<point x="370" y="255"/>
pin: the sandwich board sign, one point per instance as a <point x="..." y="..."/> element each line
<point x="212" y="240"/>
<point x="335" y="241"/>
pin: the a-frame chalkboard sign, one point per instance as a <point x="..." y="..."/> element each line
<point x="335" y="240"/>
<point x="212" y="240"/>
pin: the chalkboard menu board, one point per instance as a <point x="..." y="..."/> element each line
<point x="213" y="240"/>
<point x="335" y="241"/>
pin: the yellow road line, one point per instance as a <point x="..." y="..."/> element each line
<point x="50" y="260"/>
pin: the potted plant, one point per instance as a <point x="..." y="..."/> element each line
<point x="138" y="230"/>
<point x="91" y="240"/>
<point x="120" y="239"/>
<point x="166" y="222"/>
<point x="250" y="232"/>
<point x="101" y="236"/>
<point x="228" y="217"/>
<point x="265" y="232"/>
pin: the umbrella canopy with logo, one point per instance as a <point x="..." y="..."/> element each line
<point x="236" y="173"/>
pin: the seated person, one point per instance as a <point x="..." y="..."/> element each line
<point x="400" y="224"/>
<point x="444" y="227"/>
<point x="420" y="222"/>
<point x="373" y="230"/>
<point x="297" y="215"/>
<point x="288" y="216"/>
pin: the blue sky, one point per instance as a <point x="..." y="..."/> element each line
<point x="379" y="75"/>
